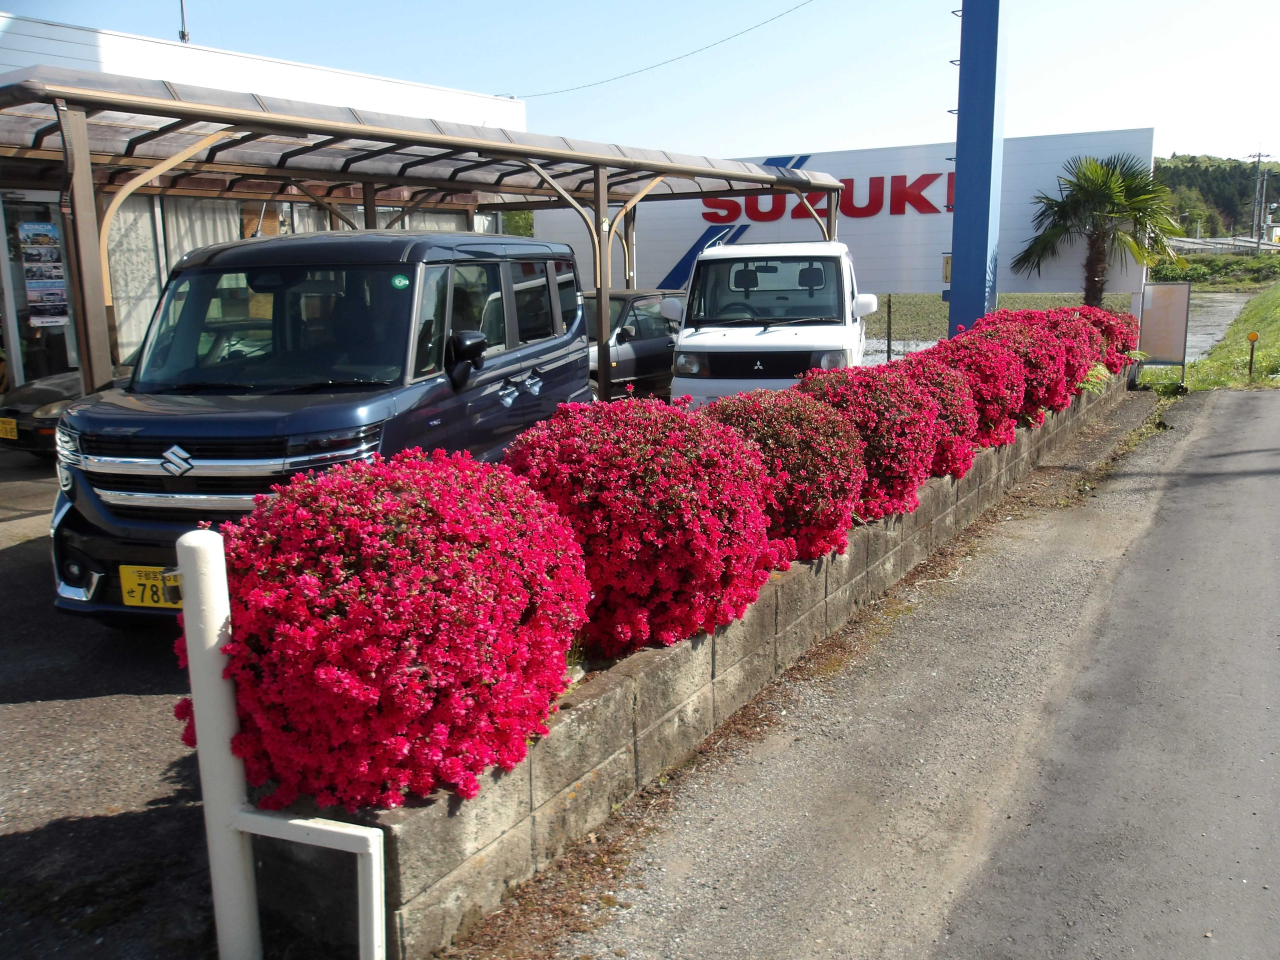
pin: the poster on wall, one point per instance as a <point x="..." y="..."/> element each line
<point x="43" y="271"/>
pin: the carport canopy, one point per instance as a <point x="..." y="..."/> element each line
<point x="93" y="135"/>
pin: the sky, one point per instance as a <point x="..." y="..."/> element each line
<point x="832" y="75"/>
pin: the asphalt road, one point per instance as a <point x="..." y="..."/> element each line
<point x="1065" y="751"/>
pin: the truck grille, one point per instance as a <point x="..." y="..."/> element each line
<point x="159" y="484"/>
<point x="758" y="366"/>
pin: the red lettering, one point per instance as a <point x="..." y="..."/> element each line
<point x="729" y="210"/>
<point x="798" y="212"/>
<point x="875" y="199"/>
<point x="951" y="192"/>
<point x="777" y="207"/>
<point x="902" y="193"/>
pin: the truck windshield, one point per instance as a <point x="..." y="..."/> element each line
<point x="775" y="290"/>
<point x="274" y="328"/>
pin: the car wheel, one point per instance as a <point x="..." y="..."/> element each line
<point x="595" y="391"/>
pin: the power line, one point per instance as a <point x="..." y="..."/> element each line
<point x="683" y="56"/>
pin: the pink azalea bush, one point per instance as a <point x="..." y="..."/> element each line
<point x="957" y="413"/>
<point x="997" y="379"/>
<point x="397" y="626"/>
<point x="1043" y="365"/>
<point x="669" y="507"/>
<point x="896" y="418"/>
<point x="814" y="456"/>
<point x="1119" y="334"/>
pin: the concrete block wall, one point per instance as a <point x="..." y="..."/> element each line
<point x="450" y="862"/>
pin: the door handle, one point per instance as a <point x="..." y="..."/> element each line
<point x="507" y="395"/>
<point x="534" y="384"/>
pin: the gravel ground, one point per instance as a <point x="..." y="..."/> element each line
<point x="855" y="826"/>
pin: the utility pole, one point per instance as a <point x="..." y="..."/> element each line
<point x="1257" y="186"/>
<point x="1262" y="212"/>
<point x="182" y="33"/>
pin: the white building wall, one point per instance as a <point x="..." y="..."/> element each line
<point x="893" y="252"/>
<point x="25" y="42"/>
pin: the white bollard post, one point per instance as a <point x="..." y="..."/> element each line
<point x="206" y="612"/>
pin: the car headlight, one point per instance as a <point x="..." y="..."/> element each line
<point x="67" y="444"/>
<point x="352" y="443"/>
<point x="52" y="411"/>
<point x="692" y="365"/>
<point x="829" y="359"/>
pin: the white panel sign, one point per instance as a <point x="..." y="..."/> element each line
<point x="895" y="215"/>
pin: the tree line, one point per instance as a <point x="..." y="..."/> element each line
<point x="1213" y="191"/>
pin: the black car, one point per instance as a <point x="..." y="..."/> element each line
<point x="273" y="356"/>
<point x="29" y="414"/>
<point x="641" y="343"/>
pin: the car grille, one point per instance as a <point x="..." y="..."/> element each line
<point x="758" y="366"/>
<point x="237" y="448"/>
<point x="158" y="484"/>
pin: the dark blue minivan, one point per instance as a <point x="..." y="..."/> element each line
<point x="273" y="356"/>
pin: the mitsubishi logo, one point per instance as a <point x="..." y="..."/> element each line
<point x="758" y="366"/>
<point x="177" y="461"/>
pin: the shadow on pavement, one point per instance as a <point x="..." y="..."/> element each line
<point x="47" y="655"/>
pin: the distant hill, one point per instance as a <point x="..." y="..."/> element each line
<point x="1217" y="192"/>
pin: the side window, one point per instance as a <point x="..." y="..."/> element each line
<point x="534" y="319"/>
<point x="435" y="291"/>
<point x="567" y="284"/>
<point x="648" y="322"/>
<point x="477" y="303"/>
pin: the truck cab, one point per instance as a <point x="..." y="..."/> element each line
<point x="760" y="315"/>
<point x="270" y="357"/>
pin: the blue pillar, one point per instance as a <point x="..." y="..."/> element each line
<point x="975" y="225"/>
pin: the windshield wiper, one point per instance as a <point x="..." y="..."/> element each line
<point x="198" y="386"/>
<point x="318" y="385"/>
<point x="804" y="320"/>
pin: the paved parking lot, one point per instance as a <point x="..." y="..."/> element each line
<point x="101" y="846"/>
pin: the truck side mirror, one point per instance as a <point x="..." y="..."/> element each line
<point x="865" y="303"/>
<point x="671" y="309"/>
<point x="463" y="353"/>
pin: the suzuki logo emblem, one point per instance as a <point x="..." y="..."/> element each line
<point x="177" y="461"/>
<point x="758" y="366"/>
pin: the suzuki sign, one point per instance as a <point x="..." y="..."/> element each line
<point x="895" y="216"/>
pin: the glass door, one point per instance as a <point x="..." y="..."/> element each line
<point x="36" y="284"/>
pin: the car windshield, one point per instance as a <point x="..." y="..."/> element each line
<point x="272" y="328"/>
<point x="589" y="314"/>
<point x="774" y="290"/>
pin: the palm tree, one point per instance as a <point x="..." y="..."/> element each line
<point x="1112" y="205"/>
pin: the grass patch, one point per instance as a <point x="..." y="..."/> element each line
<point x="1221" y="272"/>
<point x="1226" y="365"/>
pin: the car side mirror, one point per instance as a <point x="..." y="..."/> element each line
<point x="626" y="334"/>
<point x="463" y="353"/>
<point x="865" y="303"/>
<point x="671" y="309"/>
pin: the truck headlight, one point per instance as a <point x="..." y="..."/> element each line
<point x="692" y="365"/>
<point x="67" y="444"/>
<point x="52" y="411"/>
<point x="829" y="359"/>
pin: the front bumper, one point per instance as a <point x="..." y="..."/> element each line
<point x="34" y="436"/>
<point x="705" y="389"/>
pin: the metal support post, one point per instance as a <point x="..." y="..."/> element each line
<point x="888" y="327"/>
<point x="370" y="195"/>
<point x="12" y="333"/>
<point x="629" y="247"/>
<point x="833" y="213"/>
<point x="604" y="244"/>
<point x="84" y="270"/>
<point x="975" y="230"/>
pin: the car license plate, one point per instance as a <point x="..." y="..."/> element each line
<point x="144" y="587"/>
<point x="8" y="429"/>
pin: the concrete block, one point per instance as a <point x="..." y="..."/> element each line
<point x="673" y="739"/>
<point x="666" y="677"/>
<point x="800" y="636"/>
<point x="984" y="463"/>
<point x="742" y="682"/>
<point x="451" y="906"/>
<point x="883" y="537"/>
<point x="800" y="589"/>
<point x="735" y="640"/>
<point x="434" y="838"/>
<point x="943" y="529"/>
<point x="846" y="567"/>
<point x="582" y="806"/>
<point x="845" y="602"/>
<point x="593" y="723"/>
<point x="913" y="550"/>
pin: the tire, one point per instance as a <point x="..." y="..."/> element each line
<point x="595" y="391"/>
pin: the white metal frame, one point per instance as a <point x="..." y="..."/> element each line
<point x="228" y="818"/>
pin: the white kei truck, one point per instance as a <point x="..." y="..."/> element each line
<point x="760" y="315"/>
